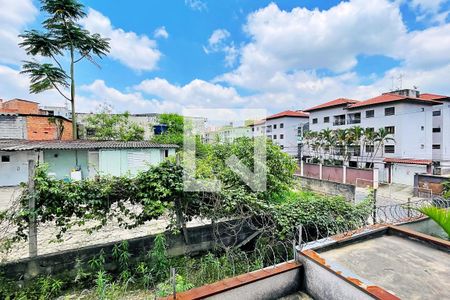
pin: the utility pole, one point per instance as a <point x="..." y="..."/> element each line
<point x="32" y="226"/>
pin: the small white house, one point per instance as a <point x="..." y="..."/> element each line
<point x="79" y="159"/>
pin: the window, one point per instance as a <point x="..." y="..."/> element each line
<point x="354" y="118"/>
<point x="282" y="147"/>
<point x="369" y="148"/>
<point x="166" y="153"/>
<point x="422" y="128"/>
<point x="370" y="113"/>
<point x="281" y="136"/>
<point x="274" y="136"/>
<point x="436" y="146"/>
<point x="422" y="146"/>
<point x="436" y="113"/>
<point x="437" y="129"/>
<point x="6" y="158"/>
<point x="275" y="126"/>
<point x="253" y="129"/>
<point x="339" y="120"/>
<point x="390" y="129"/>
<point x="389" y="149"/>
<point x="315" y="121"/>
<point x="281" y="125"/>
<point x="326" y="119"/>
<point x="389" y="111"/>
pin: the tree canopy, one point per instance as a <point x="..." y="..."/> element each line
<point x="108" y="126"/>
<point x="62" y="39"/>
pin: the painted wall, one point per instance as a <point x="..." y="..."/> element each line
<point x="61" y="162"/>
<point x="129" y="161"/>
<point x="15" y="171"/>
<point x="289" y="133"/>
<point x="404" y="173"/>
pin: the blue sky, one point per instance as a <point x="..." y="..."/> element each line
<point x="277" y="55"/>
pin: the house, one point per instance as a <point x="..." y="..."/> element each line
<point x="407" y="115"/>
<point x="79" y="159"/>
<point x="24" y="119"/>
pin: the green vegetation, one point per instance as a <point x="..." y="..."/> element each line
<point x="158" y="191"/>
<point x="175" y="129"/>
<point x="108" y="126"/>
<point x="440" y="215"/>
<point x="62" y="40"/>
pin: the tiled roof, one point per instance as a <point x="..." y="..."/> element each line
<point x="408" y="161"/>
<point x="427" y="96"/>
<point x="336" y="102"/>
<point x="22" y="145"/>
<point x="289" y="113"/>
<point x="387" y="98"/>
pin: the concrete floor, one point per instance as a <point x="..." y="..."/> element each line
<point x="410" y="269"/>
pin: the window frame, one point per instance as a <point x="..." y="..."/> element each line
<point x="371" y="116"/>
<point x="8" y="160"/>
<point x="388" y="109"/>
<point x="390" y="152"/>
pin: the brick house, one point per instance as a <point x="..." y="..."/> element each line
<point x="23" y="119"/>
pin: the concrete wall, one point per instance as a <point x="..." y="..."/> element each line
<point x="426" y="182"/>
<point x="332" y="173"/>
<point x="328" y="187"/>
<point x="61" y="162"/>
<point x="272" y="287"/>
<point x="404" y="173"/>
<point x="15" y="171"/>
<point x="360" y="177"/>
<point x="201" y="238"/>
<point x="311" y="170"/>
<point x="321" y="284"/>
<point x="12" y="127"/>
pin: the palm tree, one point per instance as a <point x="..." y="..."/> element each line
<point x="356" y="135"/>
<point x="439" y="215"/>
<point x="62" y="36"/>
<point x="381" y="137"/>
<point x="369" y="140"/>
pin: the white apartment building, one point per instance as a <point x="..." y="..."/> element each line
<point x="226" y="134"/>
<point x="284" y="129"/>
<point x="411" y="118"/>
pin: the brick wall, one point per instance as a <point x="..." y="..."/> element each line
<point x="20" y="107"/>
<point x="39" y="128"/>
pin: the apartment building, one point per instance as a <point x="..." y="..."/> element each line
<point x="415" y="121"/>
<point x="284" y="129"/>
<point x="226" y="134"/>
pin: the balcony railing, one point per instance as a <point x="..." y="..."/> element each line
<point x="339" y="122"/>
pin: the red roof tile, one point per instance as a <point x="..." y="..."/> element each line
<point x="387" y="98"/>
<point x="336" y="102"/>
<point x="408" y="161"/>
<point x="427" y="96"/>
<point x="289" y="113"/>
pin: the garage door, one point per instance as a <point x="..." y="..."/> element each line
<point x="404" y="174"/>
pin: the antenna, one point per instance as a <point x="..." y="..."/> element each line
<point x="392" y="79"/>
<point x="400" y="80"/>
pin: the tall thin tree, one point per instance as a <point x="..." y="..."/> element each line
<point x="62" y="36"/>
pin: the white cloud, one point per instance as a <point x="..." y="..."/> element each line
<point x="135" y="51"/>
<point x="161" y="32"/>
<point x="217" y="42"/>
<point x="196" y="5"/>
<point x="14" y="15"/>
<point x="427" y="6"/>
